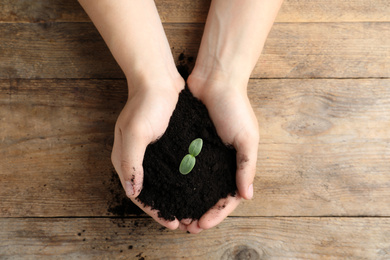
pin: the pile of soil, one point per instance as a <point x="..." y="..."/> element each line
<point x="213" y="177"/>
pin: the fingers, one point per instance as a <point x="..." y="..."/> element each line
<point x="247" y="147"/>
<point x="133" y="151"/>
<point x="219" y="212"/>
<point x="186" y="221"/>
<point x="194" y="228"/>
<point x="182" y="227"/>
<point x="154" y="214"/>
<point x="212" y="217"/>
<point x="127" y="157"/>
<point x="189" y="225"/>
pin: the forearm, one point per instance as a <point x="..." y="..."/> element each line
<point x="234" y="36"/>
<point x="134" y="34"/>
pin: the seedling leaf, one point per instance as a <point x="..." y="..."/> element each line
<point x="187" y="164"/>
<point x="196" y="147"/>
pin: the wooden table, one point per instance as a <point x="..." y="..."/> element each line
<point x="321" y="93"/>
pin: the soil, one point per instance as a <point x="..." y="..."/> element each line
<point x="213" y="177"/>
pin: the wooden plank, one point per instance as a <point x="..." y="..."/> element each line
<point x="334" y="11"/>
<point x="187" y="11"/>
<point x="324" y="147"/>
<point x="321" y="180"/>
<point x="309" y="50"/>
<point x="235" y="238"/>
<point x="54" y="50"/>
<point x="41" y="11"/>
<point x="59" y="134"/>
<point x="326" y="50"/>
<point x="321" y="111"/>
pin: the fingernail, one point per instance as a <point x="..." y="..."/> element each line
<point x="129" y="188"/>
<point x="250" y="191"/>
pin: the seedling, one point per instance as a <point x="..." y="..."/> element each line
<point x="188" y="162"/>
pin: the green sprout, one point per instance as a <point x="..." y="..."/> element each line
<point x="188" y="162"/>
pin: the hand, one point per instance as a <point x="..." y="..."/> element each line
<point x="144" y="118"/>
<point x="236" y="124"/>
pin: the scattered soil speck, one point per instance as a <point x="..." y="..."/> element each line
<point x="120" y="204"/>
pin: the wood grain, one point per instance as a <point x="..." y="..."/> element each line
<point x="308" y="50"/>
<point x="326" y="50"/>
<point x="41" y="11"/>
<point x="54" y="50"/>
<point x="187" y="11"/>
<point x="235" y="238"/>
<point x="58" y="138"/>
<point x="310" y="111"/>
<point x="322" y="189"/>
<point x="324" y="147"/>
<point x="324" y="143"/>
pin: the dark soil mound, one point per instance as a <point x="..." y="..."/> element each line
<point x="214" y="174"/>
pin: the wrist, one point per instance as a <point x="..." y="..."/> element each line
<point x="154" y="78"/>
<point x="205" y="81"/>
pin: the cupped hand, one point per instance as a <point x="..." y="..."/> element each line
<point x="143" y="120"/>
<point x="236" y="124"/>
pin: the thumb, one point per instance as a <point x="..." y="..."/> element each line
<point x="246" y="164"/>
<point x="131" y="151"/>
